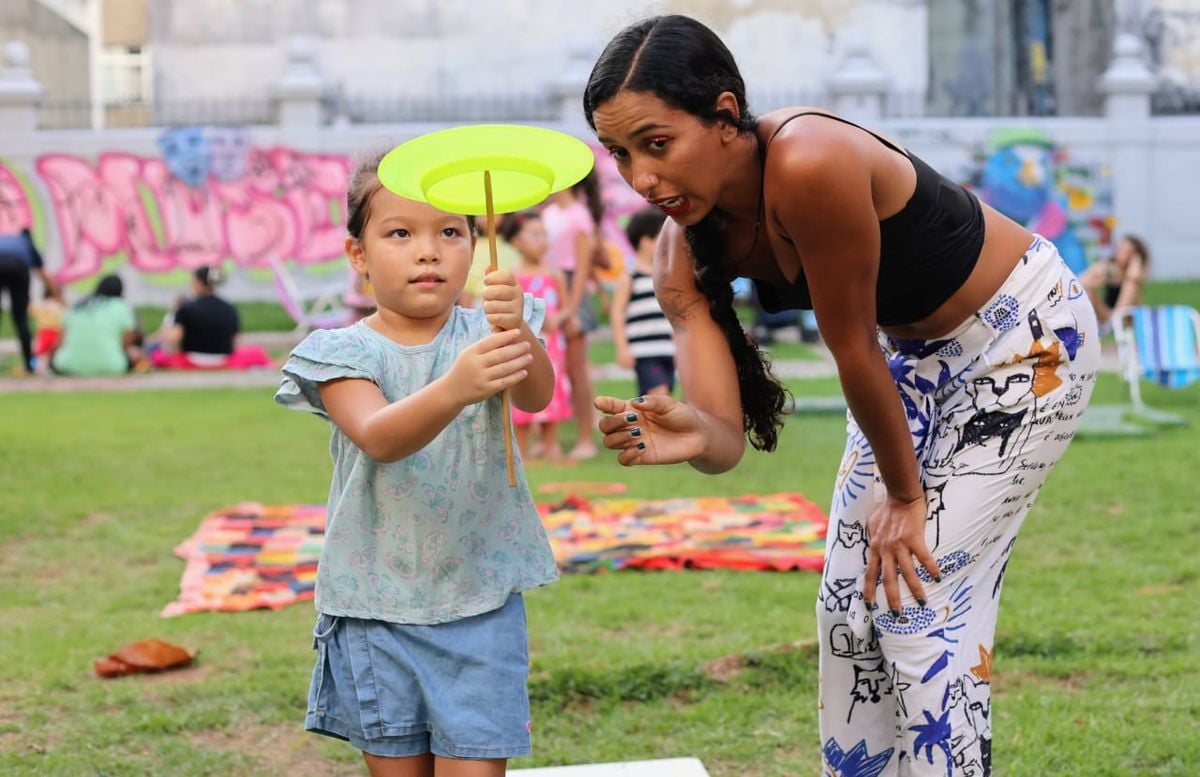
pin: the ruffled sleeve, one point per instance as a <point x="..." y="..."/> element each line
<point x="325" y="355"/>
<point x="534" y="312"/>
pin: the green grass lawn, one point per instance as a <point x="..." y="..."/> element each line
<point x="1097" y="654"/>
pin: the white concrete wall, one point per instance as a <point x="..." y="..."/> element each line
<point x="1153" y="164"/>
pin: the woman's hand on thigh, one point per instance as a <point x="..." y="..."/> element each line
<point x="896" y="535"/>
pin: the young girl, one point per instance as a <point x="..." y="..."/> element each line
<point x="525" y="232"/>
<point x="421" y="646"/>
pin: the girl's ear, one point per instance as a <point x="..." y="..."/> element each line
<point x="354" y="252"/>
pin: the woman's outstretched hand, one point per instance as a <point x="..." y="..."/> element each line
<point x="896" y="531"/>
<point x="655" y="429"/>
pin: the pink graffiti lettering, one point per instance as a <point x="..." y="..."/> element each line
<point x="281" y="207"/>
<point x="14" y="206"/>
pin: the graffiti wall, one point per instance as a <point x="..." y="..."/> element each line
<point x="210" y="196"/>
<point x="1060" y="195"/>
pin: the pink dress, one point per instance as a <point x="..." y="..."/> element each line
<point x="542" y="285"/>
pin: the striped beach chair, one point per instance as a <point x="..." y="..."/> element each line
<point x="1159" y="343"/>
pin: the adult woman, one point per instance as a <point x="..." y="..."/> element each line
<point x="964" y="345"/>
<point x="19" y="259"/>
<point x="99" y="334"/>
<point x="1118" y="283"/>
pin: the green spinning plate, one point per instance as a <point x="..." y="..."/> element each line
<point x="445" y="168"/>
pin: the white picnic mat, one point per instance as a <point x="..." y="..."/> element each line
<point x="669" y="767"/>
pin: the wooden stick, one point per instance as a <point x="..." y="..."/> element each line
<point x="506" y="396"/>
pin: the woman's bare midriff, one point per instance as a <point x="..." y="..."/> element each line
<point x="1005" y="242"/>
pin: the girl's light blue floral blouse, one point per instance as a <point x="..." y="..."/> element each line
<point x="439" y="535"/>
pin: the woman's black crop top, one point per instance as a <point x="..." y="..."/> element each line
<point x="927" y="250"/>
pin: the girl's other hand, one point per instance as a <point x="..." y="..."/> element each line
<point x="655" y="429"/>
<point x="503" y="300"/>
<point x="624" y="357"/>
<point x="496" y="362"/>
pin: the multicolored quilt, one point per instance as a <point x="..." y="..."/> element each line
<point x="775" y="532"/>
<point x="252" y="556"/>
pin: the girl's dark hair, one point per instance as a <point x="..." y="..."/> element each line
<point x="110" y="286"/>
<point x="514" y="223"/>
<point x="364" y="183"/>
<point x="1139" y="245"/>
<point x="683" y="63"/>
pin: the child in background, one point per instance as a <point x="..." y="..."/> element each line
<point x="422" y="653"/>
<point x="507" y="258"/>
<point x="526" y="233"/>
<point x="641" y="333"/>
<point x="47" y="317"/>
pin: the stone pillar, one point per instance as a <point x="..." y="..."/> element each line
<point x="858" y="87"/>
<point x="1128" y="82"/>
<point x="20" y="93"/>
<point x="301" y="87"/>
<point x="1127" y="86"/>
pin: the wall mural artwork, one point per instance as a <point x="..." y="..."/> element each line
<point x="211" y="196"/>
<point x="1034" y="181"/>
<point x="15" y="213"/>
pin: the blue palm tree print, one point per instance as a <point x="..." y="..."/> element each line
<point x="934" y="733"/>
<point x="856" y="762"/>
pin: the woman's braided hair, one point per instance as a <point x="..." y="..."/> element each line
<point x="685" y="64"/>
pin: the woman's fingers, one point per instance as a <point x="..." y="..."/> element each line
<point x="609" y="405"/>
<point x="630" y="456"/>
<point x="871" y="576"/>
<point x="891" y="587"/>
<point x="926" y="559"/>
<point x="909" y="573"/>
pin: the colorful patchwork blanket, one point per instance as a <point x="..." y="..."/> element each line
<point x="252" y="556"/>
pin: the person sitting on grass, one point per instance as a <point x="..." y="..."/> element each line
<point x="99" y="334"/>
<point x="203" y="333"/>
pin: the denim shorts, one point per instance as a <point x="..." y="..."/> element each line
<point x="457" y="689"/>
<point x="654" y="371"/>
<point x="588" y="320"/>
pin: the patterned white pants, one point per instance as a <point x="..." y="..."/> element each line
<point x="992" y="407"/>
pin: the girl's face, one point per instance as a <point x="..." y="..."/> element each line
<point x="531" y="240"/>
<point x="668" y="156"/>
<point x="416" y="256"/>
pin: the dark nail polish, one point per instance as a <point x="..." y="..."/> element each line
<point x="937" y="578"/>
<point x="639" y="400"/>
<point x="630" y="417"/>
<point x="894" y="613"/>
<point x="635" y="432"/>
<point x="921" y="602"/>
<point x="641" y="446"/>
